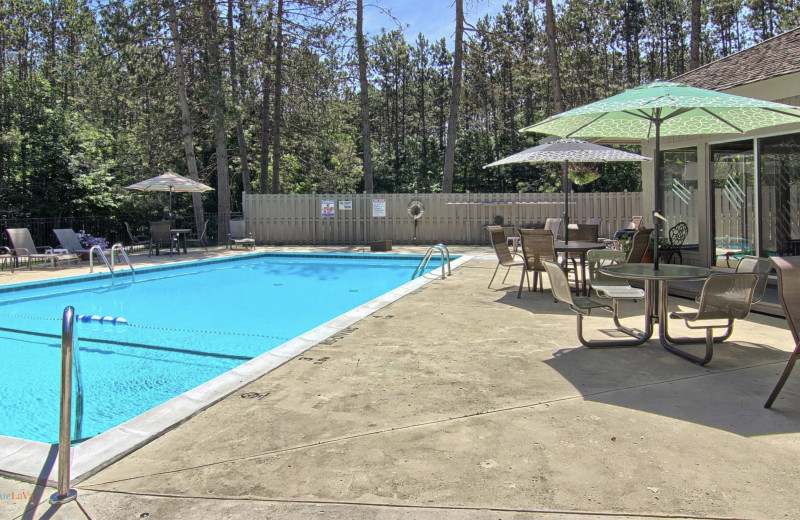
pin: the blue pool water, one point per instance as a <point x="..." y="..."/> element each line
<point x="186" y="325"/>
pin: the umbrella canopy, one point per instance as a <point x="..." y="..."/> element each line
<point x="564" y="151"/>
<point x="665" y="108"/>
<point x="170" y="182"/>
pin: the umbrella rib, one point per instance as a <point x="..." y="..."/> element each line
<point x="778" y="111"/>
<point x="585" y="125"/>
<point x="722" y="120"/>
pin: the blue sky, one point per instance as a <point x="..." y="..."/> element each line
<point x="434" y="18"/>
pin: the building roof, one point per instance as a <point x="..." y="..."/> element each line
<point x="771" y="58"/>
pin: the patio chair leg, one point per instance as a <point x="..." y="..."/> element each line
<point x="607" y="343"/>
<point x="709" y="340"/>
<point x="522" y="279"/>
<point x="495" y="274"/>
<point x="786" y="371"/>
<point x="622" y="328"/>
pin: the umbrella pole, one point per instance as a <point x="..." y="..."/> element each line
<point x="656" y="187"/>
<point x="565" y="184"/>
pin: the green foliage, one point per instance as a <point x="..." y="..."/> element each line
<point x="89" y="96"/>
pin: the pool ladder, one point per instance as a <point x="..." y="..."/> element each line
<point x="444" y="253"/>
<point x="115" y="247"/>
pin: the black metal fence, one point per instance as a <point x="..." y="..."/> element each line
<point x="112" y="228"/>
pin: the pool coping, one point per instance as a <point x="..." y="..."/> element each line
<point x="37" y="462"/>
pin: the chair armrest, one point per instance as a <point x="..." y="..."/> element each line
<point x="22" y="250"/>
<point x="46" y="249"/>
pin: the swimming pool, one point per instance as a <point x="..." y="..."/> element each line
<point x="185" y="325"/>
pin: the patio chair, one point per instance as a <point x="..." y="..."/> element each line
<point x="639" y="245"/>
<point x="583" y="306"/>
<point x="200" y="240"/>
<point x="238" y="237"/>
<point x="6" y="256"/>
<point x="25" y="248"/>
<point x="504" y="256"/>
<point x="788" y="269"/>
<point x="139" y="241"/>
<point x="159" y="235"/>
<point x="554" y="226"/>
<point x="537" y="246"/>
<point x="68" y="240"/>
<point x="761" y="267"/>
<point x="724" y="297"/>
<point x="677" y="235"/>
<point x="612" y="287"/>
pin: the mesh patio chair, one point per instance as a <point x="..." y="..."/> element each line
<point x="238" y="237"/>
<point x="139" y="241"/>
<point x="634" y="223"/>
<point x="553" y="225"/>
<point x="200" y="240"/>
<point x="677" y="234"/>
<point x="761" y="267"/>
<point x="612" y="287"/>
<point x="583" y="306"/>
<point x="505" y="258"/>
<point x="159" y="235"/>
<point x="6" y="258"/>
<point x="25" y="248"/>
<point x="724" y="297"/>
<point x="788" y="269"/>
<point x="537" y="245"/>
<point x="68" y="240"/>
<point x="639" y="245"/>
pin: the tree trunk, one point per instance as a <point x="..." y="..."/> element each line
<point x="218" y="100"/>
<point x="237" y="101"/>
<point x="362" y="79"/>
<point x="455" y="95"/>
<point x="186" y="121"/>
<point x="266" y="92"/>
<point x="552" y="48"/>
<point x="276" y="134"/>
<point x="694" y="46"/>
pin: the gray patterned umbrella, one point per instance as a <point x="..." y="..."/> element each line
<point x="566" y="151"/>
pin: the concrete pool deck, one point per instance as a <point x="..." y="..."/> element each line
<point x="459" y="401"/>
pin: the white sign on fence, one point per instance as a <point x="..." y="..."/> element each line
<point x="328" y="210"/>
<point x="378" y="207"/>
<point x="345" y="205"/>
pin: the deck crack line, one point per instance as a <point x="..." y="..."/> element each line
<point x="411" y="506"/>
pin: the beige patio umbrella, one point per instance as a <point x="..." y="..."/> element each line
<point x="171" y="182"/>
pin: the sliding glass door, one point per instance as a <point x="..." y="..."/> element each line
<point x="732" y="172"/>
<point x="780" y="195"/>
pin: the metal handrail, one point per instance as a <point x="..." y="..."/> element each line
<point x="64" y="493"/>
<point x="102" y="255"/>
<point x="118" y="246"/>
<point x="442" y="249"/>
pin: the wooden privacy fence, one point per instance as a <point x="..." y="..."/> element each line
<point x="448" y="218"/>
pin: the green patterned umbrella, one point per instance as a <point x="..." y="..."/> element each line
<point x="670" y="109"/>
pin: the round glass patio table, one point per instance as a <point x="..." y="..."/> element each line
<point x="656" y="287"/>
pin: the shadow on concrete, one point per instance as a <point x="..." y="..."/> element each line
<point x="727" y="394"/>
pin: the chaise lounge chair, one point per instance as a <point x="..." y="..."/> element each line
<point x="24" y="247"/>
<point x="68" y="240"/>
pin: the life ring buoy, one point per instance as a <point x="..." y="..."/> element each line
<point x="416" y="209"/>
